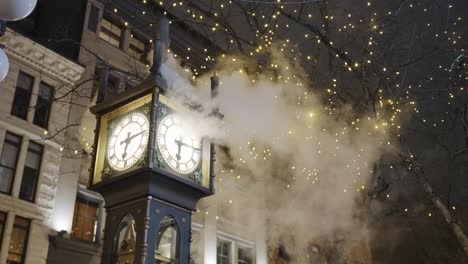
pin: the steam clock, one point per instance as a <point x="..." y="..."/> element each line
<point x="151" y="169"/>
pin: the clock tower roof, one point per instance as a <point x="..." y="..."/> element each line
<point x="111" y="103"/>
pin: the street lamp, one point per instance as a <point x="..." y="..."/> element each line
<point x="4" y="64"/>
<point x="13" y="10"/>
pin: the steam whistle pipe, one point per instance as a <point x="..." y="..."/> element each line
<point x="214" y="93"/>
<point x="160" y="48"/>
<point x="214" y="85"/>
<point x="104" y="80"/>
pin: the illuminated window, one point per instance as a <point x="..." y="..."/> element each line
<point x="166" y="249"/>
<point x="85" y="220"/>
<point x="244" y="255"/>
<point x="110" y="32"/>
<point x="8" y="160"/>
<point x="224" y="251"/>
<point x="230" y="250"/>
<point x="18" y="241"/>
<point x="43" y="105"/>
<point x="23" y="91"/>
<point x="31" y="172"/>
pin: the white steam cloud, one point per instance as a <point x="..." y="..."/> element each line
<point x="314" y="165"/>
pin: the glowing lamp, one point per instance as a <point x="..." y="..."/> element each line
<point x="12" y="10"/>
<point x="4" y="64"/>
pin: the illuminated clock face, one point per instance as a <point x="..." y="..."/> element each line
<point x="127" y="141"/>
<point x="180" y="149"/>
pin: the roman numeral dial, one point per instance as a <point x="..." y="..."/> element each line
<point x="127" y="141"/>
<point x="178" y="146"/>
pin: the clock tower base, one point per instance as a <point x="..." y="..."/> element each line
<point x="148" y="218"/>
<point x="147" y="230"/>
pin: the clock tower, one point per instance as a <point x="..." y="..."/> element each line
<point x="151" y="168"/>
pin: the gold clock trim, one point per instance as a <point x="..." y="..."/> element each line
<point x="147" y="99"/>
<point x="102" y="141"/>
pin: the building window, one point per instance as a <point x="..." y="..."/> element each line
<point x="43" y="105"/>
<point x="8" y="161"/>
<point x="24" y="86"/>
<point x="32" y="167"/>
<point x="93" y="18"/>
<point x="138" y="48"/>
<point x="18" y="241"/>
<point x="224" y="251"/>
<point x="244" y="255"/>
<point x="110" y="32"/>
<point x="3" y="216"/>
<point x="85" y="220"/>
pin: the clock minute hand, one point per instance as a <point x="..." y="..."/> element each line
<point x="181" y="143"/>
<point x="129" y="138"/>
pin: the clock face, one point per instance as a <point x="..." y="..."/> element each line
<point x="127" y="141"/>
<point x="180" y="149"/>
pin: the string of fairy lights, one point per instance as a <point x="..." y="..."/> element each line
<point x="278" y="26"/>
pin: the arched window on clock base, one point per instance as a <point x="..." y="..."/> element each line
<point x="125" y="241"/>
<point x="167" y="242"/>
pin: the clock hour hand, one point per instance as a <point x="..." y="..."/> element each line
<point x="181" y="143"/>
<point x="128" y="140"/>
<point x="179" y="148"/>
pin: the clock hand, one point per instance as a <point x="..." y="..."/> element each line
<point x="181" y="143"/>
<point x="179" y="148"/>
<point x="128" y="140"/>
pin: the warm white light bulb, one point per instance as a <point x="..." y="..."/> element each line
<point x="13" y="10"/>
<point x="4" y="64"/>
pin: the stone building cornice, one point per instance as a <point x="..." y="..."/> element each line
<point x="25" y="50"/>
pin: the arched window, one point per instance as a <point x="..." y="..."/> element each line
<point x="167" y="242"/>
<point x="125" y="241"/>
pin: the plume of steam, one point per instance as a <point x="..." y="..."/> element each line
<point x="314" y="164"/>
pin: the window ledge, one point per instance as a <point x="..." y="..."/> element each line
<point x="21" y="207"/>
<point x="24" y="128"/>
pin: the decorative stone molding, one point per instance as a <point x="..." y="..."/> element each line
<point x="31" y="53"/>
